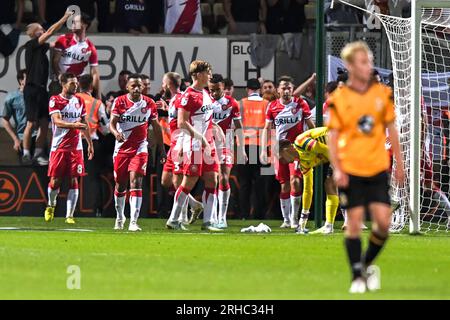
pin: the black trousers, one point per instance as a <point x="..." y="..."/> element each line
<point x="255" y="190"/>
<point x="94" y="169"/>
<point x="164" y="201"/>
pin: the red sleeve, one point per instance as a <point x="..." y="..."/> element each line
<point x="306" y="111"/>
<point x="186" y="102"/>
<point x="269" y="114"/>
<point x="153" y="108"/>
<point x="93" y="59"/>
<point x="235" y="111"/>
<point x="117" y="107"/>
<point x="60" y="43"/>
<point x="53" y="106"/>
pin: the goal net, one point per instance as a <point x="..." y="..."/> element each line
<point x="433" y="111"/>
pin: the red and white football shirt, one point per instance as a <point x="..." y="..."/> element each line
<point x="173" y="161"/>
<point x="200" y="106"/>
<point x="76" y="55"/>
<point x="226" y="109"/>
<point x="288" y="119"/>
<point x="183" y="17"/>
<point x="71" y="110"/>
<point x="134" y="118"/>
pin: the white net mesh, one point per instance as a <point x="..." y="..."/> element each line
<point x="435" y="112"/>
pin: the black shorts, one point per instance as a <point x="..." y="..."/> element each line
<point x="36" y="102"/>
<point x="362" y="191"/>
<point x="327" y="171"/>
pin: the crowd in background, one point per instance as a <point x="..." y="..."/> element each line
<point x="204" y="16"/>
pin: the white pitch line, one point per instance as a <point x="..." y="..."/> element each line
<point x="42" y="230"/>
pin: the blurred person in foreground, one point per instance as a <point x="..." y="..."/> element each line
<point x="361" y="112"/>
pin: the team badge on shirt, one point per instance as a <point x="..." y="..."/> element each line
<point x="366" y="123"/>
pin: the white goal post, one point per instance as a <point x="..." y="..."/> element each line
<point x="417" y="8"/>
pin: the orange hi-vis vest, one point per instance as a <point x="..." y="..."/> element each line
<point x="165" y="128"/>
<point x="253" y="113"/>
<point x="92" y="105"/>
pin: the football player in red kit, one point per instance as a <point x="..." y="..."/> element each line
<point x="68" y="113"/>
<point x="226" y="113"/>
<point x="131" y="116"/>
<point x="173" y="168"/>
<point x="288" y="115"/>
<point x="195" y="113"/>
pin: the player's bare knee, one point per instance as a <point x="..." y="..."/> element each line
<point x="189" y="182"/>
<point x="55" y="182"/>
<point x="211" y="183"/>
<point x="381" y="227"/>
<point x="136" y="183"/>
<point x="295" y="183"/>
<point x="330" y="186"/>
<point x="224" y="180"/>
<point x="120" y="187"/>
<point x="166" y="180"/>
<point x="176" y="180"/>
<point x="166" y="184"/>
<point x="74" y="183"/>
<point x="286" y="187"/>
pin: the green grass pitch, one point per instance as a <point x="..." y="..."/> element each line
<point x="158" y="264"/>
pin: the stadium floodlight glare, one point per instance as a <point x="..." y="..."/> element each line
<point x="420" y="53"/>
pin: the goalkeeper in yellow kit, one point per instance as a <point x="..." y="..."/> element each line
<point x="310" y="149"/>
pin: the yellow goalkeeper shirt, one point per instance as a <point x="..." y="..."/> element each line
<point x="312" y="148"/>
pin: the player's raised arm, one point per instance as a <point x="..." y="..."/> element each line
<point x="301" y="89"/>
<point x="55" y="27"/>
